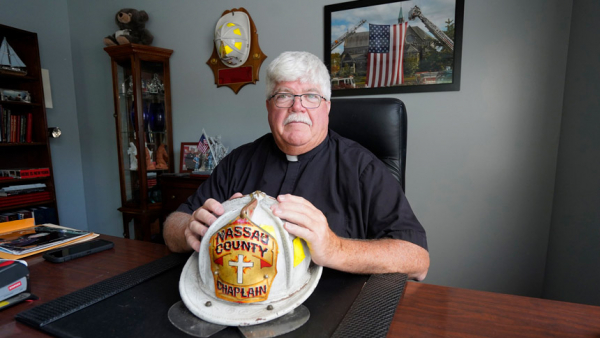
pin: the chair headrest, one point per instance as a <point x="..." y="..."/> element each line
<point x="378" y="124"/>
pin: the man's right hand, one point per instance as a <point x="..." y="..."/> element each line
<point x="202" y="218"/>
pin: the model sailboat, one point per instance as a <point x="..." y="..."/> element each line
<point x="9" y="61"/>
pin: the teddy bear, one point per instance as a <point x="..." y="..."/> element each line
<point x="132" y="28"/>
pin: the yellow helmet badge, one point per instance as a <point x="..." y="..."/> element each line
<point x="243" y="261"/>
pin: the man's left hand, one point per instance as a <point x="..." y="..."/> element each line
<point x="304" y="220"/>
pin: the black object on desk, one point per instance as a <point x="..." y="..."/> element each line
<point x="70" y="252"/>
<point x="136" y="303"/>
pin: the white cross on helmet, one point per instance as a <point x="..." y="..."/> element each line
<point x="249" y="269"/>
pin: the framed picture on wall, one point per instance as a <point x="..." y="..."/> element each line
<point x="189" y="150"/>
<point x="391" y="46"/>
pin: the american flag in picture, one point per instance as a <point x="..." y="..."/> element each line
<point x="385" y="56"/>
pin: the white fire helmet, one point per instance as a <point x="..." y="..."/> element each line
<point x="232" y="38"/>
<point x="249" y="269"/>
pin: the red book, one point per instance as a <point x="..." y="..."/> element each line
<point x="18" y="129"/>
<point x="31" y="173"/>
<point x="25" y="196"/>
<point x="18" y="203"/>
<point x="13" y="128"/>
<point x="29" y="128"/>
<point x="23" y="128"/>
<point x="22" y="199"/>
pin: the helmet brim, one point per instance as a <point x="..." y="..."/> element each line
<point x="234" y="314"/>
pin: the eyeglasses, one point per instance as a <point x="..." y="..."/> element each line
<point x="308" y="101"/>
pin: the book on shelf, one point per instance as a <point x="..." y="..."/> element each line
<point x="13" y="216"/>
<point x="40" y="214"/>
<point x="24" y="214"/>
<point x="6" y="117"/>
<point x="2" y="124"/>
<point x="22" y="189"/>
<point x="22" y="238"/>
<point x="3" y="121"/>
<point x="22" y="128"/>
<point x="29" y="129"/>
<point x="25" y="173"/>
<point x="43" y="215"/>
<point x="15" y="128"/>
<point x="33" y="197"/>
<point x="9" y="216"/>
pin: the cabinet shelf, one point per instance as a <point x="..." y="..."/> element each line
<point x="145" y="95"/>
<point x="28" y="205"/>
<point x="19" y="103"/>
<point x="150" y="170"/>
<point x="16" y="181"/>
<point x="128" y="133"/>
<point x="13" y="77"/>
<point x="22" y="144"/>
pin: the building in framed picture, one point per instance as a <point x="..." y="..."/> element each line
<point x="394" y="46"/>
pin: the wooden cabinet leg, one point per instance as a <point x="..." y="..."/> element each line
<point x="126" y="221"/>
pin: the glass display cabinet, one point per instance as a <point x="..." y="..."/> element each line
<point x="142" y="100"/>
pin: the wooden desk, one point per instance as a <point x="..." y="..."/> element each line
<point x="424" y="311"/>
<point x="50" y="281"/>
<point x="437" y="311"/>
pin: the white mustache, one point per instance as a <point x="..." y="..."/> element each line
<point x="297" y="117"/>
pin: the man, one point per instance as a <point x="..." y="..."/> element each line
<point x="332" y="192"/>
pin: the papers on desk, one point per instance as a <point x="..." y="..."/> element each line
<point x="29" y="239"/>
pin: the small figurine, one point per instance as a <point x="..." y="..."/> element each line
<point x="132" y="151"/>
<point x="129" y="85"/>
<point x="132" y="28"/>
<point x="155" y="85"/>
<point x="217" y="148"/>
<point x="149" y="164"/>
<point x="197" y="161"/>
<point x="209" y="162"/>
<point x="162" y="158"/>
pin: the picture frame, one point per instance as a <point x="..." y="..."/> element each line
<point x="15" y="95"/>
<point x="387" y="46"/>
<point x="186" y="156"/>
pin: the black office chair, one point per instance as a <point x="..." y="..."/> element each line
<point x="378" y="124"/>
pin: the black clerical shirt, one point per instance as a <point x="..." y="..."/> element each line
<point x="355" y="190"/>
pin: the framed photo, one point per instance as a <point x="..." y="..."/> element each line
<point x="189" y="150"/>
<point x="391" y="46"/>
<point x="15" y="95"/>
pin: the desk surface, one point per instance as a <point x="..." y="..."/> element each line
<point x="424" y="311"/>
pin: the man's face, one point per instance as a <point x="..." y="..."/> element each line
<point x="298" y="136"/>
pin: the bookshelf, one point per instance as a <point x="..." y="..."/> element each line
<point x="31" y="149"/>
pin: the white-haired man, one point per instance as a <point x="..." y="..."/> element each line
<point x="332" y="192"/>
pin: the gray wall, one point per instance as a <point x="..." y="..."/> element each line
<point x="573" y="269"/>
<point x="481" y="161"/>
<point x="51" y="23"/>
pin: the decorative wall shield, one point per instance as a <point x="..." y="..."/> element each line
<point x="234" y="64"/>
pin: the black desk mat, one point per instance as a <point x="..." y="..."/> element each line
<point x="337" y="307"/>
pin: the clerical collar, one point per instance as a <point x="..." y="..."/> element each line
<point x="306" y="156"/>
